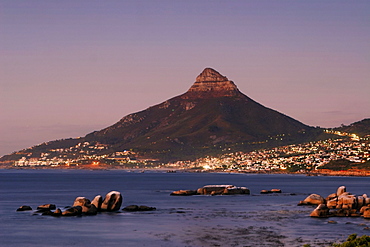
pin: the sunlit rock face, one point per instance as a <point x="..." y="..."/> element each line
<point x="211" y="83"/>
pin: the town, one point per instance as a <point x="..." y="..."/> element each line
<point x="291" y="158"/>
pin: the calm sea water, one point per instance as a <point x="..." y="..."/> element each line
<point x="242" y="220"/>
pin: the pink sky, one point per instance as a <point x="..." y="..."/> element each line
<point x="71" y="67"/>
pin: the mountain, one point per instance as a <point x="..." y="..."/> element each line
<point x="213" y="115"/>
<point x="360" y="128"/>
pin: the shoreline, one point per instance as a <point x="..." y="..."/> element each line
<point x="322" y="172"/>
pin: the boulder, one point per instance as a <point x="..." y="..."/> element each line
<point x="24" y="208"/>
<point x="87" y="207"/>
<point x="73" y="211"/>
<point x="347" y="201"/>
<point x="236" y="191"/>
<point x="322" y="211"/>
<point x="331" y="197"/>
<point x="367" y="201"/>
<point x="366" y="212"/>
<point x="265" y="192"/>
<point x="213" y="189"/>
<point x="313" y="199"/>
<point x="46" y="207"/>
<point x="57" y="212"/>
<point x="332" y="203"/>
<point x="276" y="190"/>
<point x="97" y="202"/>
<point x="341" y="190"/>
<point x="112" y="201"/>
<point x="184" y="193"/>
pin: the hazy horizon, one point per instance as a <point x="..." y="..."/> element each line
<point x="72" y="67"/>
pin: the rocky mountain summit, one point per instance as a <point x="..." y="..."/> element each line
<point x="211" y="83"/>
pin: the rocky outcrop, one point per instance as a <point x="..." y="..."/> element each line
<point x="340" y="204"/>
<point x="211" y="83"/>
<point x="83" y="206"/>
<point x="213" y="190"/>
<point x="112" y="201"/>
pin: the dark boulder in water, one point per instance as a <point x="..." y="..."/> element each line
<point x="24" y="208"/>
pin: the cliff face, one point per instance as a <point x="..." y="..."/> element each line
<point x="210" y="84"/>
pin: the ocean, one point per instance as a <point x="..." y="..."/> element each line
<point x="233" y="220"/>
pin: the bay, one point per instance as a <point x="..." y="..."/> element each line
<point x="240" y="220"/>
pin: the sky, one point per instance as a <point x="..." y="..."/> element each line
<point x="71" y="67"/>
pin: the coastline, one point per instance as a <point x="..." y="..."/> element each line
<point x="321" y="172"/>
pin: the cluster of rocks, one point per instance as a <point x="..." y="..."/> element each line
<point x="341" y="203"/>
<point x="112" y="202"/>
<point x="213" y="190"/>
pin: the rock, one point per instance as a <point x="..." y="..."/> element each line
<point x="212" y="189"/>
<point x="236" y="191"/>
<point x="57" y="212"/>
<point x="362" y="210"/>
<point x="322" y="211"/>
<point x="87" y="207"/>
<point x="360" y="202"/>
<point x="184" y="193"/>
<point x="97" y="202"/>
<point x="341" y="190"/>
<point x="346" y="201"/>
<point x="265" y="192"/>
<point x="222" y="190"/>
<point x="332" y="203"/>
<point x="331" y="197"/>
<point x="112" y="201"/>
<point x="134" y="208"/>
<point x="270" y="191"/>
<point x="313" y="199"/>
<point x="276" y="190"/>
<point x="46" y="207"/>
<point x="366" y="212"/>
<point x="47" y="212"/>
<point x="24" y="208"/>
<point x="367" y="201"/>
<point x="73" y="211"/>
